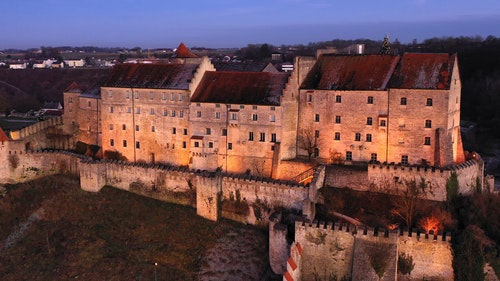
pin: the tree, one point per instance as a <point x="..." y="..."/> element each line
<point x="409" y="200"/>
<point x="308" y="141"/>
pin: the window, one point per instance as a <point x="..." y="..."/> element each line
<point x="172" y="96"/>
<point x="337" y="136"/>
<point x="111" y="142"/>
<point x="165" y="112"/>
<point x="129" y="109"/>
<point x="254" y="107"/>
<point x="196" y="144"/>
<point x="185" y="131"/>
<point x="217" y="105"/>
<point x="404" y="159"/>
<point x="198" y="113"/>
<point x="70" y="100"/>
<point x="234" y="116"/>
<point x="272" y="118"/>
<point x="184" y="144"/>
<point x="316" y="117"/>
<point x="111" y="109"/>
<point x="316" y="152"/>
<point x="370" y="100"/>
<point x="250" y="136"/>
<point x="210" y="144"/>
<point x="153" y="129"/>
<point x="383" y="123"/>
<point x="138" y="110"/>
<point x="229" y="145"/>
<point x="273" y="108"/>
<point x="254" y="117"/>
<point x="124" y="127"/>
<point x="369" y="121"/>
<point x="273" y="137"/>
<point x="90" y="104"/>
<point x="111" y="127"/>
<point x="124" y="143"/>
<point x="357" y="137"/>
<point x="428" y="123"/>
<point x="164" y="96"/>
<point x="373" y="157"/>
<point x="181" y="97"/>
<point x="348" y="155"/>
<point x="403" y="101"/>
<point x="316" y="134"/>
<point x="241" y="106"/>
<point x="152" y="111"/>
<point x="428" y="102"/>
<point x="137" y="128"/>
<point x="198" y="104"/>
<point x="181" y="113"/>
<point x="224" y="132"/>
<point x="337" y="119"/>
<point x="110" y="93"/>
<point x="208" y="131"/>
<point x="368" y="137"/>
<point x="151" y="95"/>
<point x="174" y="131"/>
<point x="172" y="113"/>
<point x="262" y="137"/>
<point x="137" y="145"/>
<point x="310" y="98"/>
<point x="127" y="94"/>
<point x="136" y="95"/>
<point x="427" y="141"/>
<point x="217" y="115"/>
<point x="338" y="98"/>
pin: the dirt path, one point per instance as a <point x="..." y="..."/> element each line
<point x="18" y="233"/>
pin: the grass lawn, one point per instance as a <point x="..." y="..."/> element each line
<point x="110" y="235"/>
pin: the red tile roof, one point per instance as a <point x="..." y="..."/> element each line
<point x="351" y="72"/>
<point x="153" y="76"/>
<point x="423" y="71"/>
<point x="259" y="88"/>
<point x="73" y="88"/>
<point x="3" y="136"/>
<point x="184" y="52"/>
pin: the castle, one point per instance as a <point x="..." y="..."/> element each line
<point x="175" y="124"/>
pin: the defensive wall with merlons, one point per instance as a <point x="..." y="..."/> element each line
<point x="322" y="251"/>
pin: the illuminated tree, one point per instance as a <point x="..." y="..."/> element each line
<point x="308" y="140"/>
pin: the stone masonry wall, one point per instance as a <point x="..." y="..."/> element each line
<point x="24" y="166"/>
<point x="389" y="177"/>
<point x="334" y="250"/>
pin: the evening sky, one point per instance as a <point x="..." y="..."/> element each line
<point x="234" y="23"/>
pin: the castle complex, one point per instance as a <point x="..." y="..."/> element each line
<point x="185" y="126"/>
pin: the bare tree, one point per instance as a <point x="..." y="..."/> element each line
<point x="308" y="140"/>
<point x="409" y="199"/>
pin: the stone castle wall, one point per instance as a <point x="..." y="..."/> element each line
<point x="389" y="178"/>
<point x="329" y="250"/>
<point x="24" y="166"/>
<point x="172" y="183"/>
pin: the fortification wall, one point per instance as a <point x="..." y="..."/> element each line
<point x="390" y="178"/>
<point x="24" y="166"/>
<point x="432" y="256"/>
<point x="35" y="128"/>
<point x="328" y="250"/>
<point x="367" y="254"/>
<point x="387" y="178"/>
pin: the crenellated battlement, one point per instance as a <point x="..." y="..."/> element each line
<point x="424" y="169"/>
<point x="364" y="231"/>
<point x="35" y="128"/>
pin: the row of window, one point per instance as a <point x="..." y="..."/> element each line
<point x="254" y="107"/>
<point x="369" y="121"/>
<point x="370" y="100"/>
<point x="234" y="116"/>
<point x="164" y="96"/>
<point x="262" y="137"/>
